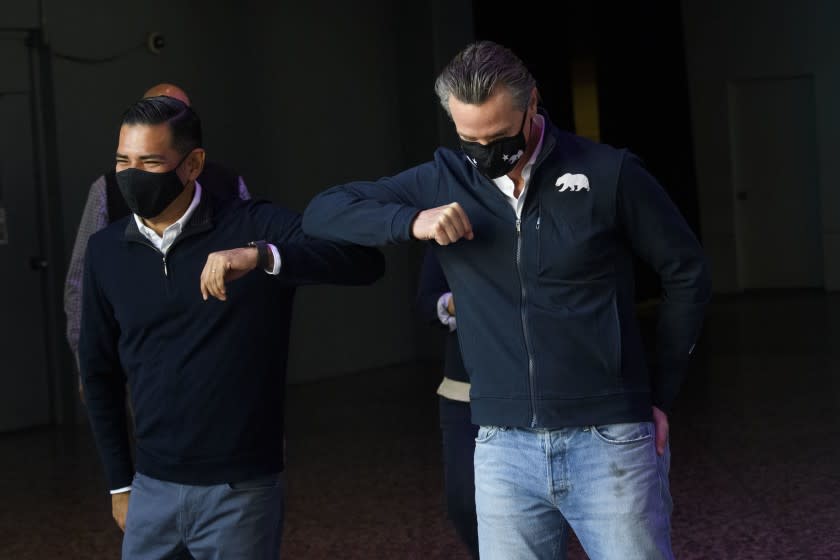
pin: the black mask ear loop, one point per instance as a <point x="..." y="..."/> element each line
<point x="183" y="159"/>
<point x="522" y="126"/>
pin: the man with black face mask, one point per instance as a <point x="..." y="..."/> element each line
<point x="206" y="376"/>
<point x="105" y="205"/>
<point x="536" y="230"/>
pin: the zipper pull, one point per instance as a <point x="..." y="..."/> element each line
<point x="518" y="225"/>
<point x="538" y="223"/>
<point x="165" y="270"/>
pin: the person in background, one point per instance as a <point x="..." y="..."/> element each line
<point x="436" y="306"/>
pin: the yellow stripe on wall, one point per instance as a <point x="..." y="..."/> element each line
<point x="585" y="98"/>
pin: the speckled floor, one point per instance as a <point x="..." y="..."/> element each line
<point x="755" y="468"/>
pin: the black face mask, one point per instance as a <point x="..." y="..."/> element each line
<point x="148" y="194"/>
<point x="498" y="157"/>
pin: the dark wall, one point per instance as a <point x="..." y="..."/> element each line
<point x="296" y="96"/>
<point x="546" y="55"/>
<point x="643" y="94"/>
<point x="728" y="43"/>
<point x="643" y="102"/>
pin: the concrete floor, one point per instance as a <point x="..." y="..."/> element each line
<point x="755" y="455"/>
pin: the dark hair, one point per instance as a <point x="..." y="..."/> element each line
<point x="182" y="120"/>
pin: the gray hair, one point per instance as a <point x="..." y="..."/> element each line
<point x="475" y="73"/>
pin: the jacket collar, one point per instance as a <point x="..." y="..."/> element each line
<point x="549" y="137"/>
<point x="201" y="220"/>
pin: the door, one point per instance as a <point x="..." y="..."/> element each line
<point x="24" y="386"/>
<point x="774" y="157"/>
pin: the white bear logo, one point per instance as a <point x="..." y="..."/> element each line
<point x="570" y="182"/>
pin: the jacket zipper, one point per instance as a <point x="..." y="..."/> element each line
<point x="156" y="250"/>
<point x="524" y="315"/>
<point x="184" y="235"/>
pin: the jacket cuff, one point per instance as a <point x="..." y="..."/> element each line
<point x="401" y="224"/>
<point x="121" y="477"/>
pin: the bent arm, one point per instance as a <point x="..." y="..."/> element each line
<point x="373" y="213"/>
<point x="307" y="260"/>
<point x="661" y="236"/>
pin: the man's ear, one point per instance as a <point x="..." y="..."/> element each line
<point x="195" y="163"/>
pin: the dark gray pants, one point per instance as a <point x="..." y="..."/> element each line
<point x="166" y="520"/>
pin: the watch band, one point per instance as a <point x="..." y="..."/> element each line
<point x="262" y="253"/>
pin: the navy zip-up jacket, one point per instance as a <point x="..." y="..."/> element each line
<point x="546" y="311"/>
<point x="206" y="378"/>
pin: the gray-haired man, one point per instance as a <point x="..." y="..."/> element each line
<point x="536" y="229"/>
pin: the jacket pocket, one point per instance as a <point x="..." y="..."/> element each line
<point x="573" y="248"/>
<point x="260" y="483"/>
<point x="486" y="433"/>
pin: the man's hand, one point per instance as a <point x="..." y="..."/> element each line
<point x="226" y="266"/>
<point x="660" y="426"/>
<point x="445" y="224"/>
<point x="450" y="307"/>
<point x="119" y="507"/>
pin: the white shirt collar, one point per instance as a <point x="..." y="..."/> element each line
<point x="171" y="233"/>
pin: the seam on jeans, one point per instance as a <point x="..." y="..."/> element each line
<point x="662" y="475"/>
<point x="180" y="505"/>
<point x="548" y="466"/>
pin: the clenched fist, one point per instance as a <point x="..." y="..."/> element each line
<point x="445" y="224"/>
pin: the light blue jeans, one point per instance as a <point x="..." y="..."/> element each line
<point x="607" y="482"/>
